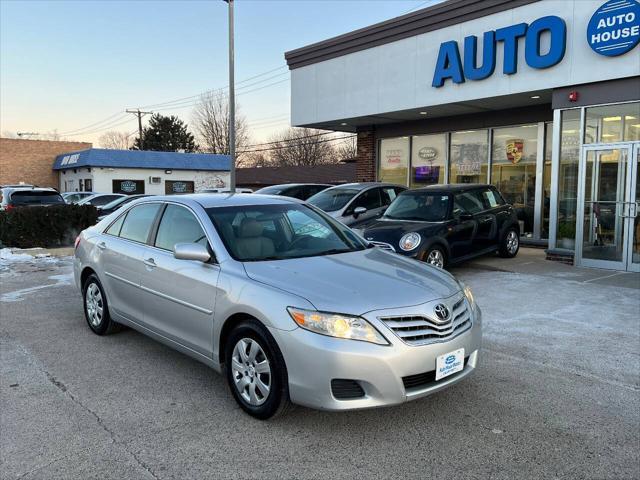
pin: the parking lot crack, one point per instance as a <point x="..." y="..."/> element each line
<point x="114" y="440"/>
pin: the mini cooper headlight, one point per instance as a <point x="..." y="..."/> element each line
<point x="410" y="241"/>
<point x="337" y="325"/>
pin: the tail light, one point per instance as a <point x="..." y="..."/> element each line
<point x="9" y="207"/>
<point x="77" y="242"/>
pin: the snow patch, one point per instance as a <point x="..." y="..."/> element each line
<point x="18" y="295"/>
<point x="7" y="255"/>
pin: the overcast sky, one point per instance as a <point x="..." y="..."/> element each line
<point x="67" y="65"/>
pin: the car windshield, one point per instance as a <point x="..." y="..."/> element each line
<point x="420" y="206"/>
<point x="280" y="232"/>
<point x="333" y="199"/>
<point x="118" y="202"/>
<point x="31" y="197"/>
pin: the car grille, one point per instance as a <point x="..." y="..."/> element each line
<point x="422" y="330"/>
<point x="383" y="245"/>
<point x="422" y="380"/>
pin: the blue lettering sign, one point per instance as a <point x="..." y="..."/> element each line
<point x="449" y="64"/>
<point x="471" y="71"/>
<point x="614" y="29"/>
<point x="558" y="30"/>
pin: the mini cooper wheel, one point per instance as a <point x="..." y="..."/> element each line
<point x="510" y="244"/>
<point x="435" y="256"/>
<point x="255" y="371"/>
<point x="96" y="309"/>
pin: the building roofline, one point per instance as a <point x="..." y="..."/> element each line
<point x="435" y="17"/>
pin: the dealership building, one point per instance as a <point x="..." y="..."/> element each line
<point x="141" y="171"/>
<point x="538" y="97"/>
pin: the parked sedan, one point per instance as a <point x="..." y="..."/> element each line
<point x="75" y="197"/>
<point x="446" y="224"/>
<point x="119" y="202"/>
<point x="355" y="204"/>
<point x="12" y="197"/>
<point x="301" y="191"/>
<point x="291" y="305"/>
<point x="100" y="199"/>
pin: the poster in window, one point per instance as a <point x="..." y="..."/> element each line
<point x="177" y="186"/>
<point x="515" y="150"/>
<point x="128" y="187"/>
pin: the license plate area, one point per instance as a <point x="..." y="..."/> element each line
<point x="449" y="363"/>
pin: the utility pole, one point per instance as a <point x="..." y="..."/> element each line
<point x="139" y="114"/>
<point x="232" y="104"/>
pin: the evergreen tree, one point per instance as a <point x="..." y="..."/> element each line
<point x="166" y="134"/>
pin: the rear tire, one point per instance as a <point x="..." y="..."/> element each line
<point x="435" y="256"/>
<point x="96" y="307"/>
<point x="510" y="244"/>
<point x="256" y="372"/>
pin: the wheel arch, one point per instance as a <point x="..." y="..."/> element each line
<point x="435" y="241"/>
<point x="226" y="329"/>
<point x="86" y="272"/>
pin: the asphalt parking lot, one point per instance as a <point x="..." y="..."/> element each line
<point x="556" y="394"/>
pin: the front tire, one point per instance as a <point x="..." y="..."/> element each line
<point x="510" y="244"/>
<point x="96" y="308"/>
<point x="256" y="372"/>
<point x="435" y="256"/>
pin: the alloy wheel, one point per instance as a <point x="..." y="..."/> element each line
<point x="94" y="304"/>
<point x="512" y="242"/>
<point x="436" y="258"/>
<point x="251" y="371"/>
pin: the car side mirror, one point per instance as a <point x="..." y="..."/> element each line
<point x="359" y="211"/>
<point x="191" y="251"/>
<point x="465" y="217"/>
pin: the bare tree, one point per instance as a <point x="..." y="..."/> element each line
<point x="211" y="124"/>
<point x="115" y="140"/>
<point x="301" y="146"/>
<point x="347" y="150"/>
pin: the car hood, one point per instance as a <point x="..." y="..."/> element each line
<point x="390" y="231"/>
<point x="356" y="282"/>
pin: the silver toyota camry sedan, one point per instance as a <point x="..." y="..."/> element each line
<point x="291" y="305"/>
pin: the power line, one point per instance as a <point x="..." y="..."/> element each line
<point x="293" y="145"/>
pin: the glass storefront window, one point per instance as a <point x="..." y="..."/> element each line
<point x="428" y="160"/>
<point x="612" y="123"/>
<point x="546" y="180"/>
<point x="513" y="170"/>
<point x="568" y="178"/>
<point x="469" y="156"/>
<point x="394" y="160"/>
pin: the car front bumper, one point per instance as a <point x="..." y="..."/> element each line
<point x="313" y="361"/>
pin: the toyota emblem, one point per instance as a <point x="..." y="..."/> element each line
<point x="442" y="312"/>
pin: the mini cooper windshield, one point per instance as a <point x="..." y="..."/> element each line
<point x="279" y="232"/>
<point x="419" y="206"/>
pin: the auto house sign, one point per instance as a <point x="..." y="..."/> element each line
<point x="128" y="186"/>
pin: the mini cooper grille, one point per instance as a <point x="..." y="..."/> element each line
<point x="344" y="389"/>
<point x="421" y="330"/>
<point x="384" y="246"/>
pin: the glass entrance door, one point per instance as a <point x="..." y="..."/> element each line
<point x="606" y="235"/>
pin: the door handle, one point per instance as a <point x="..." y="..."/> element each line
<point x="102" y="245"/>
<point x="149" y="262"/>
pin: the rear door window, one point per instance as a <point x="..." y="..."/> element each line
<point x="468" y="202"/>
<point x="388" y="195"/>
<point x="139" y="221"/>
<point x="179" y="225"/>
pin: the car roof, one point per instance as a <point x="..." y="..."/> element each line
<point x="287" y="185"/>
<point x="30" y="189"/>
<point x="453" y="187"/>
<point x="364" y="185"/>
<point x="210" y="200"/>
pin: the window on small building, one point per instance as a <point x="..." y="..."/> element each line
<point x="394" y="160"/>
<point x="469" y="156"/>
<point x="178" y="186"/>
<point x="88" y="185"/>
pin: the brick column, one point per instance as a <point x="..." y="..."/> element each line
<point x="366" y="158"/>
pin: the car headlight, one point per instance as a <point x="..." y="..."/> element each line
<point x="337" y="325"/>
<point x="410" y="241"/>
<point x="468" y="294"/>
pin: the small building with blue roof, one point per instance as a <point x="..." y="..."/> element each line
<point x="141" y="171"/>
